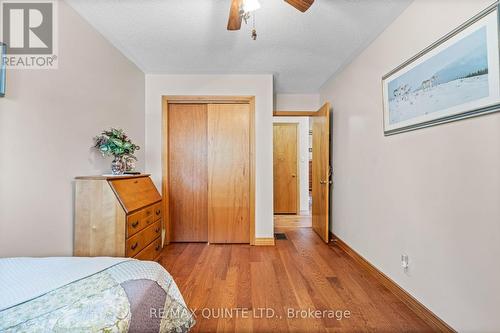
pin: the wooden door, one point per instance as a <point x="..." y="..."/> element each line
<point x="321" y="171"/>
<point x="229" y="173"/>
<point x="285" y="168"/>
<point x="187" y="172"/>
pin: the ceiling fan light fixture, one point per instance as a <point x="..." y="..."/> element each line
<point x="250" y="5"/>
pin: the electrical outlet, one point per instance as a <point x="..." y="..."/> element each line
<point x="404" y="261"/>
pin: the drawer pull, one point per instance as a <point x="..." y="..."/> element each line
<point x="157" y="248"/>
<point x="135" y="224"/>
<point x="148" y="212"/>
<point x="157" y="229"/>
<point x="158" y="212"/>
<point x="133" y="247"/>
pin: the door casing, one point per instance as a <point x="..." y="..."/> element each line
<point x="321" y="214"/>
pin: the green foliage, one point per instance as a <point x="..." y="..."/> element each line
<point x="114" y="142"/>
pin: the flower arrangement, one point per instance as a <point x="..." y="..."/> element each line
<point x="114" y="142"/>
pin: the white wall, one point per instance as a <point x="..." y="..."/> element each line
<point x="260" y="86"/>
<point x="297" y="102"/>
<point x="433" y="194"/>
<point x="47" y="121"/>
<point x="303" y="132"/>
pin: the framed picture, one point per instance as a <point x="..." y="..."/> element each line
<point x="3" y="50"/>
<point x="455" y="78"/>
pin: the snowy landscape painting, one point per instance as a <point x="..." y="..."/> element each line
<point x="454" y="78"/>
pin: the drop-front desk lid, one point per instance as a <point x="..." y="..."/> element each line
<point x="133" y="191"/>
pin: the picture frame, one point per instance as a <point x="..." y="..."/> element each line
<point x="455" y="78"/>
<point x="3" y="51"/>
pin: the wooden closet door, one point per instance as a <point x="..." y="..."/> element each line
<point x="229" y="173"/>
<point x="187" y="172"/>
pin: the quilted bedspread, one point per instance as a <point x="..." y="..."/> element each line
<point x="128" y="296"/>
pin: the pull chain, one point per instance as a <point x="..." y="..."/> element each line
<point x="254" y="31"/>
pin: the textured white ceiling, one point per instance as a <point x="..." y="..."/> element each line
<point x="302" y="50"/>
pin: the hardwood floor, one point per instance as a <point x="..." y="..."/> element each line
<point x="303" y="220"/>
<point x="231" y="286"/>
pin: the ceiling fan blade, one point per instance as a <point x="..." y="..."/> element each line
<point x="302" y="5"/>
<point x="234" y="22"/>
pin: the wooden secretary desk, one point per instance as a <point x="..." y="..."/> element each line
<point x="117" y="216"/>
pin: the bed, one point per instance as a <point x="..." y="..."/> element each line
<point x="89" y="295"/>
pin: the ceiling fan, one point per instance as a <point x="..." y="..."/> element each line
<point x="242" y="9"/>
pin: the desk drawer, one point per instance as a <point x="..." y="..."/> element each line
<point x="157" y="211"/>
<point x="135" y="223"/>
<point x="151" y="252"/>
<point x="142" y="239"/>
<point x="142" y="219"/>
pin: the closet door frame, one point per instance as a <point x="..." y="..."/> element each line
<point x="166" y="100"/>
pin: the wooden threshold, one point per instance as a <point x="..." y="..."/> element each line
<point x="418" y="308"/>
<point x="264" y="242"/>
